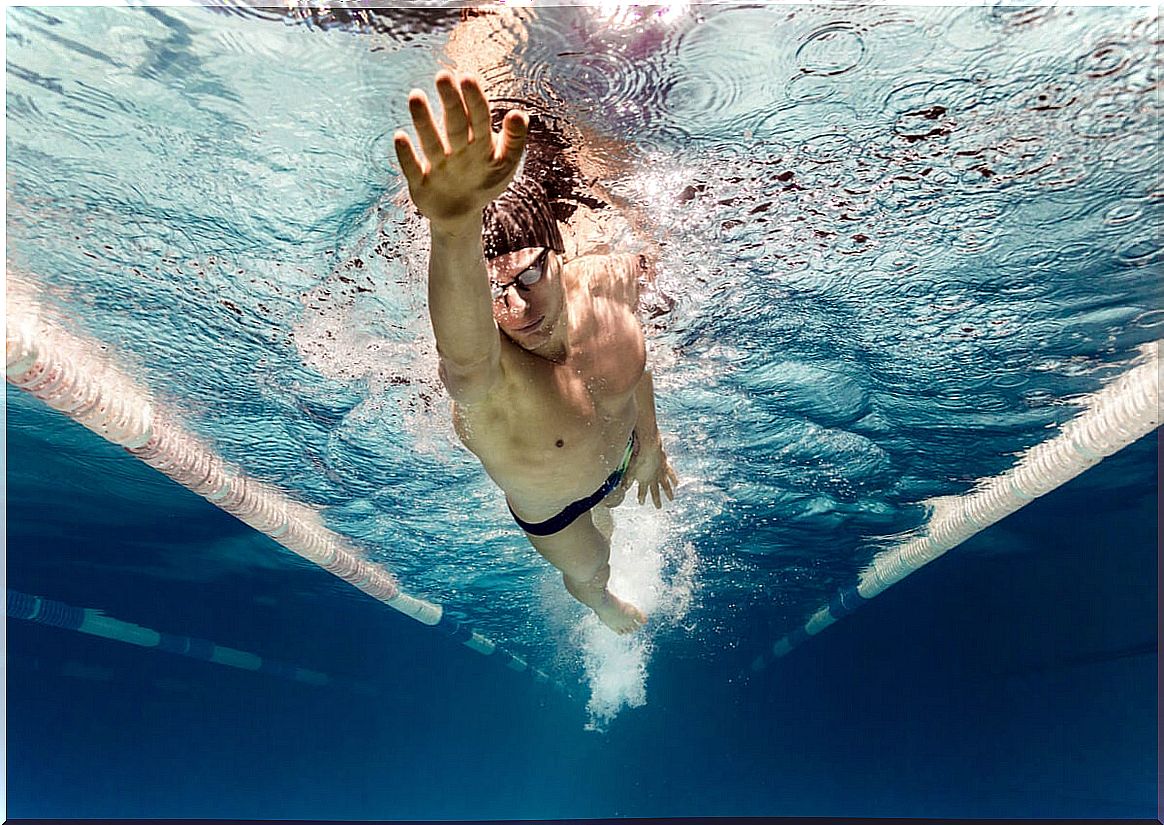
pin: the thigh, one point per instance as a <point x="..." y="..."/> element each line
<point x="603" y="520"/>
<point x="616" y="495"/>
<point x="579" y="550"/>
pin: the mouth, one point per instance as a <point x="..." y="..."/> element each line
<point x="531" y="326"/>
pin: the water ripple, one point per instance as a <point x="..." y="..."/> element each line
<point x="1042" y="94"/>
<point x="831" y="50"/>
<point x="1145" y="250"/>
<point x="970" y="30"/>
<point x="1106" y="59"/>
<point x="1106" y="116"/>
<point x="1123" y="212"/>
<point x="722" y="78"/>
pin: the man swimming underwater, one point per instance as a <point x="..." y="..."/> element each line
<point x="544" y="358"/>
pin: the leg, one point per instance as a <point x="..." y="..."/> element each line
<point x="604" y="521"/>
<point x="582" y="553"/>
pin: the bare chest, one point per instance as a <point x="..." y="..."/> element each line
<point x="558" y="428"/>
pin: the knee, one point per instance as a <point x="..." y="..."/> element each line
<point x="583" y="573"/>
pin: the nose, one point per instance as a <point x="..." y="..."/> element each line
<point x="515" y="302"/>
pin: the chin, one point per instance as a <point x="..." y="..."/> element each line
<point x="525" y="340"/>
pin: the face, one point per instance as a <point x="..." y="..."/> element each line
<point x="527" y="294"/>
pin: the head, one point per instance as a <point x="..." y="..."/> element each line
<point x="522" y="246"/>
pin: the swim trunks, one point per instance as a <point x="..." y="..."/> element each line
<point x="565" y="518"/>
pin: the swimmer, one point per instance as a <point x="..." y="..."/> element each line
<point x="544" y="357"/>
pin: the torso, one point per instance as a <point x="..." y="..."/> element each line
<point x="550" y="433"/>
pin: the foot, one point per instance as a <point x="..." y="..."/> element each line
<point x="621" y="617"/>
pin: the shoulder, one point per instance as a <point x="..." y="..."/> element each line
<point x="610" y="276"/>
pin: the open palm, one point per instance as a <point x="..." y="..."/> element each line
<point x="464" y="166"/>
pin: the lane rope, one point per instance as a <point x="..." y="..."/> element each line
<point x="1124" y="411"/>
<point x="65" y="373"/>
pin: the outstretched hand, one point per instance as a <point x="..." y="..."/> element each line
<point x="464" y="166"/>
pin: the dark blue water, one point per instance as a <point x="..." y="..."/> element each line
<point x="1014" y="677"/>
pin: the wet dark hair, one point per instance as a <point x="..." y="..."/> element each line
<point x="519" y="218"/>
<point x="549" y="189"/>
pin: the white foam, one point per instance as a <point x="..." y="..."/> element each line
<point x="653" y="573"/>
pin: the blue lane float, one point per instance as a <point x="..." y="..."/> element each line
<point x="39" y="610"/>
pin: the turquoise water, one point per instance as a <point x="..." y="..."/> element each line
<point x="901" y="243"/>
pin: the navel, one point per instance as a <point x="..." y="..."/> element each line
<point x="560" y="443"/>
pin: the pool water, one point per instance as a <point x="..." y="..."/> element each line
<point x="897" y="247"/>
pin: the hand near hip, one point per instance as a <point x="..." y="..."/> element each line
<point x="652" y="471"/>
<point x="463" y="166"/>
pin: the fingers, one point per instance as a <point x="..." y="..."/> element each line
<point x="668" y="483"/>
<point x="456" y="118"/>
<point x="427" y="131"/>
<point x="666" y="480"/>
<point x="467" y="122"/>
<point x="409" y="163"/>
<point x="514" y="130"/>
<point x="653" y="488"/>
<point x="477" y="105"/>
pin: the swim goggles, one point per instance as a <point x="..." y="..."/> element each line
<point x="525" y="279"/>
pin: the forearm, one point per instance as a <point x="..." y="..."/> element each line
<point x="646" y="425"/>
<point x="458" y="295"/>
